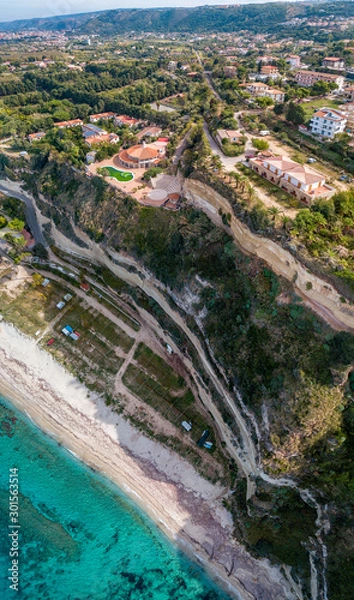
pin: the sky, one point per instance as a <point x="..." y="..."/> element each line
<point x="27" y="9"/>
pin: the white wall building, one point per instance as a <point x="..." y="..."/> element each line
<point x="328" y="122"/>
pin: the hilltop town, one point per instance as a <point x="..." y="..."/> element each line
<point x="177" y="210"/>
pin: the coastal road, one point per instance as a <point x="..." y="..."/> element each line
<point x="11" y="188"/>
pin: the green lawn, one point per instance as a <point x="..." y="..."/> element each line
<point x="310" y="107"/>
<point x="120" y="175"/>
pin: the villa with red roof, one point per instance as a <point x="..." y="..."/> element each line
<point x="142" y="156"/>
<point x="33" y="137"/>
<point x="298" y="180"/>
<point x="72" y="123"/>
<point x="102" y="117"/>
<point x="120" y="120"/>
<point x="108" y="138"/>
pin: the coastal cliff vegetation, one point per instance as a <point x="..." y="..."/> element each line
<point x="293" y="371"/>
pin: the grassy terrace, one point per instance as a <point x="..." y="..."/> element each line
<point x="157" y="367"/>
<point x="310" y="107"/>
<point x="157" y="384"/>
<point x="32" y="308"/>
<point x="105" y="300"/>
<point x="89" y="322"/>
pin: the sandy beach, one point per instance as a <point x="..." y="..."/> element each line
<point x="184" y="505"/>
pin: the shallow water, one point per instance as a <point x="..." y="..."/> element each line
<point x="80" y="538"/>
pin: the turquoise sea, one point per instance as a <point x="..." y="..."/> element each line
<point x="80" y="538"/>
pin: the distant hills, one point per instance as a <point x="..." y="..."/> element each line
<point x="254" y="17"/>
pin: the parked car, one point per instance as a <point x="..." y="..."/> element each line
<point x="343" y="178"/>
<point x="311" y="160"/>
<point x="50" y="342"/>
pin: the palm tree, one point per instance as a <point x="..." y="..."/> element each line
<point x="243" y="182"/>
<point x="286" y="222"/>
<point x="216" y="162"/>
<point x="274" y="211"/>
<point x="236" y="177"/>
<point x="252" y="194"/>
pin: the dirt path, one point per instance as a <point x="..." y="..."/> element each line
<point x="269" y="202"/>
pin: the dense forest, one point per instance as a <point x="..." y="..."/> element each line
<point x="254" y="17"/>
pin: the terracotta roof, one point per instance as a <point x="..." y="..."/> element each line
<point x="140" y="152"/>
<point x="36" y="136"/>
<point x="299" y="172"/>
<point x="100" y="139"/>
<point x="330" y="114"/>
<point x="305" y="175"/>
<point x="106" y="115"/>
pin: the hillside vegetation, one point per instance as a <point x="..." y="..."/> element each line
<point x="254" y="17"/>
<point x="285" y="362"/>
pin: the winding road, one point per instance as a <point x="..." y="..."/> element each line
<point x="13" y="189"/>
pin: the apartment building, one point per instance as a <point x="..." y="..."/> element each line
<point x="308" y="78"/>
<point x="262" y="90"/>
<point x="333" y="62"/>
<point x="269" y="70"/>
<point x="328" y="122"/>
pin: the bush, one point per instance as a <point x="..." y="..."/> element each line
<point x="260" y="144"/>
<point x="16" y="225"/>
<point x="3" y="222"/>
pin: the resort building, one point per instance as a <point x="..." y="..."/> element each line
<point x="308" y="78"/>
<point x="328" y="122"/>
<point x="298" y="180"/>
<point x="102" y="117"/>
<point x="141" y="156"/>
<point x="331" y="62"/>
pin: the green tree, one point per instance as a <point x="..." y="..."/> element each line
<point x="278" y="108"/>
<point x="295" y="114"/>
<point x="3" y="222"/>
<point x="16" y="225"/>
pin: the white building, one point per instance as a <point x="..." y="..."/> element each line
<point x="262" y="90"/>
<point x="328" y="122"/>
<point x="294" y="61"/>
<point x="332" y="62"/>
